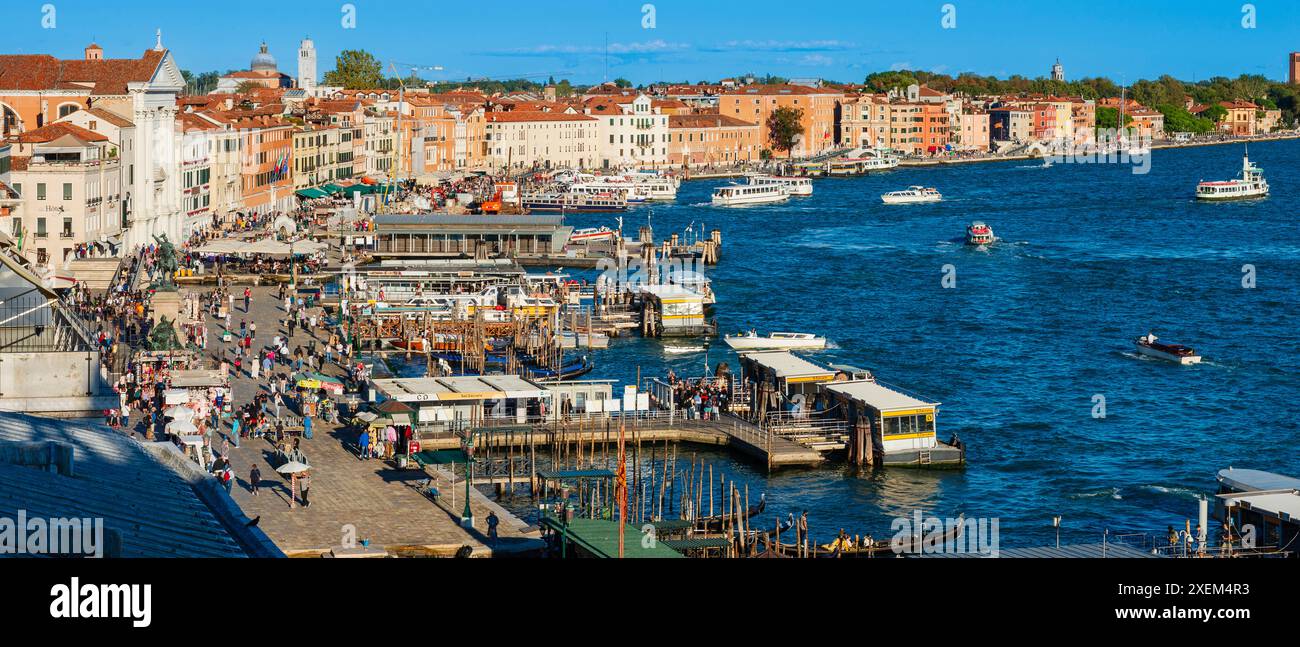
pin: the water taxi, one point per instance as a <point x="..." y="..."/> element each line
<point x="912" y="195"/>
<point x="776" y="341"/>
<point x="1177" y="353"/>
<point x="861" y="165"/>
<point x="592" y="234"/>
<point x="1251" y="184"/>
<point x="979" y="234"/>
<point x="562" y="202"/>
<point x="744" y="194"/>
<point x="796" y="186"/>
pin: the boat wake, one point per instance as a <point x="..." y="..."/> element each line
<point x="1112" y="493"/>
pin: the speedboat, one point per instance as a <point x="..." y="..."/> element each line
<point x="1251" y="184"/>
<point x="912" y="195"/>
<point x="979" y="234"/>
<point x="1177" y="353"/>
<point x="776" y="341"/>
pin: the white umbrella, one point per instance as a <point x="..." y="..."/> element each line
<point x="180" y="413"/>
<point x="293" y="467"/>
<point x="366" y="416"/>
<point x="179" y="427"/>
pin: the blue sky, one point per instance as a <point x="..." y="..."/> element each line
<point x="692" y="40"/>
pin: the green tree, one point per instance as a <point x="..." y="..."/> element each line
<point x="356" y="70"/>
<point x="1179" y="120"/>
<point x="784" y="127"/>
<point x="1109" y="118"/>
<point x="246" y="87"/>
<point x="1215" y="113"/>
<point x="622" y="82"/>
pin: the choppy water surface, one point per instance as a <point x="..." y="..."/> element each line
<point x="1091" y="257"/>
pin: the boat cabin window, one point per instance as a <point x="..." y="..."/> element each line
<point x="905" y="425"/>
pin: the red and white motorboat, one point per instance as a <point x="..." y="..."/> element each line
<point x="591" y="235"/>
<point x="1149" y="345"/>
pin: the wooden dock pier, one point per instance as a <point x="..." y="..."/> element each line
<point x="745" y="438"/>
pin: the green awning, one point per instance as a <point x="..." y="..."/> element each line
<point x="311" y="193"/>
<point x="332" y="189"/>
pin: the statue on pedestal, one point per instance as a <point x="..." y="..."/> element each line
<point x="167" y="264"/>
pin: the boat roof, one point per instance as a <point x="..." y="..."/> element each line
<point x="878" y="396"/>
<point x="788" y="365"/>
<point x="1247" y="480"/>
<point x="459" y="388"/>
<point x="671" y="291"/>
<point x="1284" y="504"/>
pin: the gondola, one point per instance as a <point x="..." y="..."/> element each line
<point x="876" y="549"/>
<point x="719" y="522"/>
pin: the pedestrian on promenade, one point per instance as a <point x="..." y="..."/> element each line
<point x="234" y="431"/>
<point x="228" y="479"/>
<point x="363" y="443"/>
<point x="493" y="521"/>
<point x="254" y="478"/>
<point x="248" y="299"/>
<point x="306" y="427"/>
<point x="305" y="485"/>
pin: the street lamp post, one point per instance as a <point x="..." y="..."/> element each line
<point x="467" y="517"/>
<point x="1056" y="522"/>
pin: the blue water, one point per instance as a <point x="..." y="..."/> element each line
<point x="1091" y="256"/>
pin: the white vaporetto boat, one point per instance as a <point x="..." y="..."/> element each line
<point x="797" y="186"/>
<point x="591" y="234"/>
<point x="1177" y="353"/>
<point x="776" y="341"/>
<point x="912" y="195"/>
<point x="745" y="194"/>
<point x="1251" y="184"/>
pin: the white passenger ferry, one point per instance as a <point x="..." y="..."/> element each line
<point x="776" y="341"/>
<point x="796" y="186"/>
<point x="912" y="195"/>
<point x="744" y="194"/>
<point x="1251" y="184"/>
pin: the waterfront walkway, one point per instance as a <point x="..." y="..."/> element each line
<point x="381" y="503"/>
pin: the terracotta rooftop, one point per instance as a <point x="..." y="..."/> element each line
<point x="56" y="130"/>
<point x="778" y="90"/>
<point x="110" y="117"/>
<point x="102" y="77"/>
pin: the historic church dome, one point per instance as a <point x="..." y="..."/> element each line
<point x="263" y="62"/>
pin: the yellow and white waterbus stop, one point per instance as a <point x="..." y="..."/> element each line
<point x="777" y="377"/>
<point x="442" y="403"/>
<point x="902" y="426"/>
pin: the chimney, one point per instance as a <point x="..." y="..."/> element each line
<point x="94" y="52"/>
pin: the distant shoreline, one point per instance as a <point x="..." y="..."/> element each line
<point x="1013" y="158"/>
<point x="1164" y="146"/>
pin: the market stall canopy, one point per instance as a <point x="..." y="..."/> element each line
<point x="366" y="416"/>
<point x="332" y="189"/>
<point x="180" y="413"/>
<point x="179" y="427"/>
<point x="311" y="193"/>
<point x="308" y="247"/>
<point x="223" y="246"/>
<point x="269" y="246"/>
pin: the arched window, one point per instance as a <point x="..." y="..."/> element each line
<point x="67" y="109"/>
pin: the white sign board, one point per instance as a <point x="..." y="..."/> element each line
<point x="643" y="402"/>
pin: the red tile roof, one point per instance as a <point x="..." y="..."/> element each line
<point x="103" y="77"/>
<point x="56" y="130"/>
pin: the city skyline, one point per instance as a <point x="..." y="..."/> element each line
<point x="821" y="44"/>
